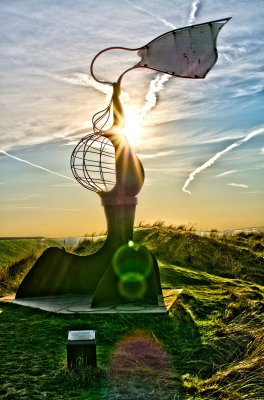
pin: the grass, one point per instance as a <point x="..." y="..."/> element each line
<point x="16" y="257"/>
<point x="209" y="346"/>
<point x="12" y="251"/>
<point x="89" y="245"/>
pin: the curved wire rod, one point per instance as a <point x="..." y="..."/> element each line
<point x="104" y="51"/>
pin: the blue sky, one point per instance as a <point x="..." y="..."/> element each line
<point x="48" y="99"/>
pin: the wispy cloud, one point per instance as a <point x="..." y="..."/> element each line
<point x="18" y="207"/>
<point x="249" y="90"/>
<point x="158" y="18"/>
<point x="226" y="173"/>
<point x="156" y="155"/>
<point x="2" y="183"/>
<point x="213" y="159"/>
<point x="81" y="79"/>
<point x="24" y="207"/>
<point x="35" y="165"/>
<point x="65" y="184"/>
<point x="238" y="185"/>
<point x="71" y="143"/>
<point x="20" y="197"/>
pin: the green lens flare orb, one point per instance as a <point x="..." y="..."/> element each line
<point x="132" y="286"/>
<point x="127" y="259"/>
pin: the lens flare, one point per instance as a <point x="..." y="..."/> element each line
<point x="127" y="259"/>
<point x="132" y="268"/>
<point x="132" y="286"/>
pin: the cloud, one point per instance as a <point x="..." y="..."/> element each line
<point x="238" y="185"/>
<point x="155" y="86"/>
<point x="22" y="207"/>
<point x="249" y="90"/>
<point x="81" y="79"/>
<point x="213" y="159"/>
<point x="35" y="165"/>
<point x="196" y="6"/>
<point x="18" y="207"/>
<point x="158" y="81"/>
<point x="40" y="131"/>
<point x="71" y="143"/>
<point x="20" y="197"/>
<point x="160" y="19"/>
<point x="226" y="173"/>
<point x="262" y="151"/>
<point x="156" y="155"/>
<point x="59" y="119"/>
<point x="65" y="184"/>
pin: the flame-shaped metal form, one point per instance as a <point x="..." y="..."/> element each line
<point x="104" y="162"/>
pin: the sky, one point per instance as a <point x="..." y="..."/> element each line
<point x="200" y="141"/>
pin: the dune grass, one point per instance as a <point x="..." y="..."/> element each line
<point x="12" y="251"/>
<point x="209" y="346"/>
<point x="16" y="257"/>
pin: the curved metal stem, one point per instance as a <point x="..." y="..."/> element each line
<point x="108" y="49"/>
<point x="127" y="70"/>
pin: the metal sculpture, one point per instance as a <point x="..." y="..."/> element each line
<point x="104" y="162"/>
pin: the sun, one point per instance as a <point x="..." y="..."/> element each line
<point x="133" y="126"/>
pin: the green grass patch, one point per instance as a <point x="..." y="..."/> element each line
<point x="88" y="246"/>
<point x="16" y="257"/>
<point x="209" y="346"/>
<point x="13" y="250"/>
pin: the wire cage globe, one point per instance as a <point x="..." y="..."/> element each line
<point x="93" y="163"/>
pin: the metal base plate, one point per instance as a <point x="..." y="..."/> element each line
<point x="82" y="304"/>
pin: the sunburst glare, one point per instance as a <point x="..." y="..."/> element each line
<point x="133" y="126"/>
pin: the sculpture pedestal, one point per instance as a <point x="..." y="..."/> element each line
<point x="57" y="272"/>
<point x="82" y="304"/>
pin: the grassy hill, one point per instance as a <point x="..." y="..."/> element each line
<point x="16" y="258"/>
<point x="209" y="346"/>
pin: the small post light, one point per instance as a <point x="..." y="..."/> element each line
<point x="81" y="349"/>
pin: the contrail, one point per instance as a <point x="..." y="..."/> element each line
<point x="213" y="159"/>
<point x="157" y="82"/>
<point x="194" y="11"/>
<point x="226" y="173"/>
<point x="155" y="86"/>
<point x="163" y="20"/>
<point x="238" y="185"/>
<point x="36" y="166"/>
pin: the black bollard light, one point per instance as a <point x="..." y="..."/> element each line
<point x="81" y="349"/>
